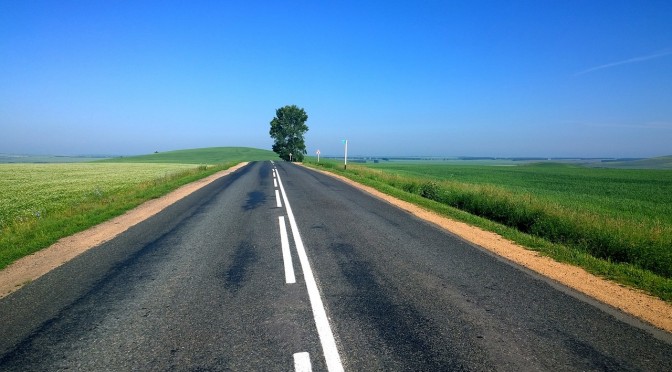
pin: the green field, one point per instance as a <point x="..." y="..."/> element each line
<point x="41" y="203"/>
<point x="211" y="155"/>
<point x="614" y="222"/>
<point x="618" y="193"/>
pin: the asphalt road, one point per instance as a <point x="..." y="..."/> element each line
<point x="203" y="285"/>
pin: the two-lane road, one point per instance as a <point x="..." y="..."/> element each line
<point x="207" y="285"/>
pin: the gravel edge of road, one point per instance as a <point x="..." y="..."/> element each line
<point x="31" y="267"/>
<point x="650" y="310"/>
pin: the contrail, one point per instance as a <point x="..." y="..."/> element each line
<point x="627" y="61"/>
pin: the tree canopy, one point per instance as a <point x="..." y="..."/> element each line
<point x="287" y="129"/>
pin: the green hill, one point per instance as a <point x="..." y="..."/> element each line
<point x="210" y="155"/>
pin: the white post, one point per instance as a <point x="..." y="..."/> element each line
<point x="346" y="155"/>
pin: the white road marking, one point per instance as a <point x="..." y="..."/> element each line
<point x="286" y="254"/>
<point x="275" y="182"/>
<point x="319" y="313"/>
<point x="277" y="199"/>
<point x="302" y="362"/>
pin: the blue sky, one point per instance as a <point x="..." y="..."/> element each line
<point x="443" y="78"/>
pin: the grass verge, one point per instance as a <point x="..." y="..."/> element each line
<point x="568" y="237"/>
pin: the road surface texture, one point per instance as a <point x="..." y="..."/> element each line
<point x="289" y="269"/>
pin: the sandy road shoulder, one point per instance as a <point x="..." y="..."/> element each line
<point x="34" y="266"/>
<point x="650" y="309"/>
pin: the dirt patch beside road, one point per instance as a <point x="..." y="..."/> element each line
<point x="34" y="266"/>
<point x="645" y="307"/>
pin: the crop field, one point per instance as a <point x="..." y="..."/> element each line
<point x="614" y="222"/>
<point x="34" y="191"/>
<point x="41" y="203"/>
<point x="619" y="193"/>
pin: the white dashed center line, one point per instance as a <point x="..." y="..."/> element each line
<point x="286" y="255"/>
<point x="302" y="362"/>
<point x="277" y="199"/>
<point x="332" y="358"/>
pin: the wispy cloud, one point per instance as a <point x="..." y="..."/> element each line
<point x="658" y="54"/>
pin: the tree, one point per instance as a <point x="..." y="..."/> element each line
<point x="287" y="129"/>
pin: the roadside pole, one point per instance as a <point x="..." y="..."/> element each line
<point x="345" y="160"/>
<point x="318" y="155"/>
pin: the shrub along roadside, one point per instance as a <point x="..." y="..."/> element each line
<point x="21" y="238"/>
<point x="635" y="255"/>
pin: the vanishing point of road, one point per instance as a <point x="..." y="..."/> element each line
<point x="279" y="268"/>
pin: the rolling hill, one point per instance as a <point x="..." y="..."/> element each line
<point x="210" y="155"/>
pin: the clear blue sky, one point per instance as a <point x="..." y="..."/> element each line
<point x="448" y="78"/>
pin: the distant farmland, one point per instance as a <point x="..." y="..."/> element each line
<point x="663" y="162"/>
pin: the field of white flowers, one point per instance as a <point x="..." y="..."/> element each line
<point x="31" y="191"/>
